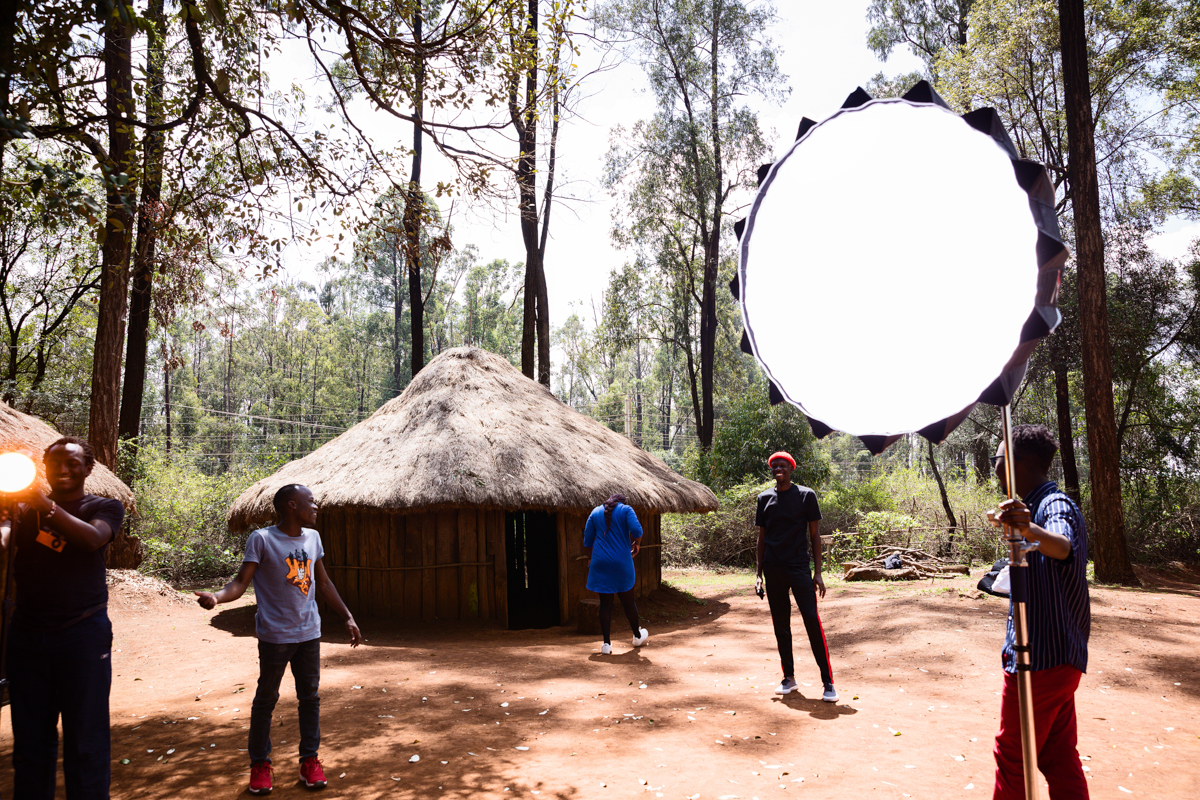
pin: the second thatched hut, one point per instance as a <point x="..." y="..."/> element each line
<point x="466" y="496"/>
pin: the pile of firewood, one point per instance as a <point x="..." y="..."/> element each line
<point x="914" y="565"/>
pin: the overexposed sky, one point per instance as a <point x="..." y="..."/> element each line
<point x="824" y="56"/>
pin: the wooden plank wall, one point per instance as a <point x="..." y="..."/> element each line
<point x="573" y="563"/>
<point x="451" y="564"/>
<point x="417" y="566"/>
<point x="498" y="577"/>
<point x="573" y="570"/>
<point x="648" y="563"/>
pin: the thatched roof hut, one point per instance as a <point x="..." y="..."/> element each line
<point x="472" y="462"/>
<point x="20" y="431"/>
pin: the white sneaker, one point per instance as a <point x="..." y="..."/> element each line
<point x="606" y="649"/>
<point x="831" y="695"/>
<point x="786" y="687"/>
<point x="642" y="637"/>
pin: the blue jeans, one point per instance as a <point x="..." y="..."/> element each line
<point x="65" y="672"/>
<point x="273" y="659"/>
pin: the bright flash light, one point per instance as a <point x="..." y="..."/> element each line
<point x="17" y="472"/>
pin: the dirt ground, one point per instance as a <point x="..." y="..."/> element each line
<point x="505" y="714"/>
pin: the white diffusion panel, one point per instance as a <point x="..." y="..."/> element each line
<point x="888" y="266"/>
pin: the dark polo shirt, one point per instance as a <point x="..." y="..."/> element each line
<point x="56" y="581"/>
<point x="785" y="516"/>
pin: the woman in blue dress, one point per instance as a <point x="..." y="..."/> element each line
<point x="613" y="534"/>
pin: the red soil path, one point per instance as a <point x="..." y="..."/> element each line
<point x="690" y="715"/>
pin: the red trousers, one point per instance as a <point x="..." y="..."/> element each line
<point x="1054" y="731"/>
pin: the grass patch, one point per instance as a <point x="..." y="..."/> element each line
<point x="701" y="579"/>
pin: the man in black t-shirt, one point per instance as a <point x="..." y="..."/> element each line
<point x="787" y="518"/>
<point x="60" y="640"/>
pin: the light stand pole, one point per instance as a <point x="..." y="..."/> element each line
<point x="6" y="602"/>
<point x="1018" y="571"/>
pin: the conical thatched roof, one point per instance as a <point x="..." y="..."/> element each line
<point x="20" y="431"/>
<point x="471" y="430"/>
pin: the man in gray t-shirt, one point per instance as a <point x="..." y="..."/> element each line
<point x="284" y="563"/>
<point x="283" y="583"/>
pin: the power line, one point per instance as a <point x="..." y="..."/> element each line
<point x="254" y="416"/>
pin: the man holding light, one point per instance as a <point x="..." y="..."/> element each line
<point x="1060" y="620"/>
<point x="60" y="640"/>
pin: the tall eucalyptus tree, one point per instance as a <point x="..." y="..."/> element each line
<point x="680" y="173"/>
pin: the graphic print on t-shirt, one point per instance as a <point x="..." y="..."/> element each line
<point x="51" y="540"/>
<point x="299" y="570"/>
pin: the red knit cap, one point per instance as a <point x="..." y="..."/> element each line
<point x="785" y="456"/>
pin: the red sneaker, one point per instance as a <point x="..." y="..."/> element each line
<point x="260" y="777"/>
<point x="311" y="773"/>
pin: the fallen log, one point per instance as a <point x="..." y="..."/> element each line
<point x="873" y="573"/>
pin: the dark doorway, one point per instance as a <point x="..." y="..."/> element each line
<point x="531" y="547"/>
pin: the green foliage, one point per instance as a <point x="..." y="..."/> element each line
<point x="902" y="507"/>
<point x="681" y="173"/>
<point x="181" y="517"/>
<point x="925" y="26"/>
<point x="1162" y="510"/>
<point x="723" y="537"/>
<point x="844" y="502"/>
<point x="916" y="494"/>
<point x="876" y="523"/>
<point x="49" y="272"/>
<point x="746" y="436"/>
<point x="874" y="529"/>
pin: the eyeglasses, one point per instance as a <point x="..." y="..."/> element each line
<point x="996" y="460"/>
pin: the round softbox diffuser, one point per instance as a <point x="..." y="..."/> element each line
<point x="897" y="266"/>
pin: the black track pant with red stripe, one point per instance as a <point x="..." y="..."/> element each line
<point x="798" y="580"/>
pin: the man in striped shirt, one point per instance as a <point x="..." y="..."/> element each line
<point x="1059" y="620"/>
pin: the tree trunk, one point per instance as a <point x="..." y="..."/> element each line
<point x="114" y="277"/>
<point x="8" y="33"/>
<point x="124" y="552"/>
<point x="167" y="398"/>
<point x="149" y="218"/>
<point x="1111" y="551"/>
<point x="414" y="214"/>
<point x="1066" y="435"/>
<point x="525" y="120"/>
<point x="712" y="253"/>
<point x="39" y="372"/>
<point x="980" y="452"/>
<point x="397" y="313"/>
<point x="13" y="334"/>
<point x="941" y="484"/>
<point x="543" y="304"/>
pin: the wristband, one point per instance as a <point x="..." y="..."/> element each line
<point x="53" y="508"/>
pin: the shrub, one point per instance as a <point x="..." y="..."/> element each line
<point x="749" y="432"/>
<point x="901" y="508"/>
<point x="181" y="517"/>
<point x="843" y="503"/>
<point x="1162" y="518"/>
<point x="875" y="529"/>
<point x="725" y="537"/>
